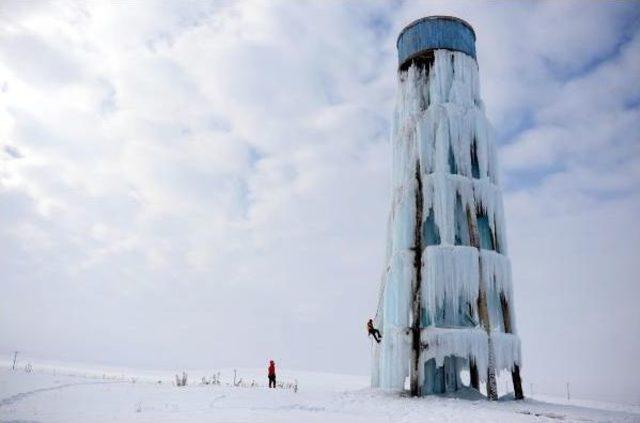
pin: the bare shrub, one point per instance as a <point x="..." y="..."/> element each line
<point x="181" y="381"/>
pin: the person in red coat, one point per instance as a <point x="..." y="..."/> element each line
<point x="272" y="374"/>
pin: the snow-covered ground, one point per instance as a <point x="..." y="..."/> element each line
<point x="64" y="394"/>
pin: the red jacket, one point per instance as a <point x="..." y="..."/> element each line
<point x="272" y="369"/>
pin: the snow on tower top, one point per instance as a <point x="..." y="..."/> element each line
<point x="435" y="32"/>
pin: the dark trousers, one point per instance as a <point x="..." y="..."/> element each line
<point x="272" y="381"/>
<point x="376" y="334"/>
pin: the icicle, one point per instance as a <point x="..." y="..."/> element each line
<point x="433" y="141"/>
<point x="445" y="111"/>
<point x="403" y="217"/>
<point x="397" y="303"/>
<point x="485" y="147"/>
<point x="440" y="76"/>
<point x="466" y="343"/>
<point x="506" y="349"/>
<point x="453" y="77"/>
<point x="404" y="126"/>
<point x="496" y="271"/>
<point x="461" y="136"/>
<point x="452" y="275"/>
<point x="440" y="191"/>
<point x="488" y="198"/>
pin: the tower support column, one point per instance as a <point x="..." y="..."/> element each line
<point x="416" y="305"/>
<point x="515" y="373"/>
<point x="483" y="310"/>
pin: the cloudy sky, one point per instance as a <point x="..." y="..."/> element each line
<point x="206" y="184"/>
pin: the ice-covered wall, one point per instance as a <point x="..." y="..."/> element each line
<point x="443" y="143"/>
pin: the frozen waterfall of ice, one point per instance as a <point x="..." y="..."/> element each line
<point x="442" y="136"/>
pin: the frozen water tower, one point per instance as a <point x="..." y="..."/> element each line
<point x="446" y="300"/>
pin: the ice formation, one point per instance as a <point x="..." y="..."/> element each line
<point x="445" y="180"/>
<point x="465" y="343"/>
<point x="506" y="348"/>
<point x="452" y="278"/>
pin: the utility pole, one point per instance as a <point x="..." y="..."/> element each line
<point x="568" y="393"/>
<point x="15" y="356"/>
<point x="530" y="388"/>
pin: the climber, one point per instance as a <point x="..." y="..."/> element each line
<point x="272" y="374"/>
<point x="373" y="331"/>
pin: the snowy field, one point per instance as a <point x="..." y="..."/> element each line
<point x="63" y="394"/>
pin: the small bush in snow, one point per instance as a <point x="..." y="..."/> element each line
<point x="215" y="379"/>
<point x="236" y="382"/>
<point x="181" y="381"/>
